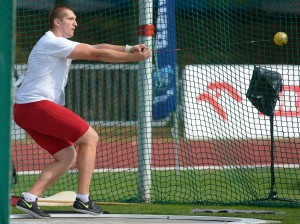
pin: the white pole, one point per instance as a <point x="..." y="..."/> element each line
<point x="175" y="128"/>
<point x="145" y="32"/>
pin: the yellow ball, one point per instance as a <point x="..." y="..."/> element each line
<point x="280" y="39"/>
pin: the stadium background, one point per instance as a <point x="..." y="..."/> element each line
<point x="223" y="170"/>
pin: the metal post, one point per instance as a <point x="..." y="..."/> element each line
<point x="7" y="39"/>
<point x="175" y="128"/>
<point x="145" y="32"/>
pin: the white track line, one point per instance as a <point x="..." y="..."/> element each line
<point x="115" y="170"/>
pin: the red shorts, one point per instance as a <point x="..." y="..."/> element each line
<point x="52" y="126"/>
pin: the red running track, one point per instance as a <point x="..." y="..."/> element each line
<point x="121" y="154"/>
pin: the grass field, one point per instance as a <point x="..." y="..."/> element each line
<point x="227" y="186"/>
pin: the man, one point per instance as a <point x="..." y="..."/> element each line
<point x="40" y="112"/>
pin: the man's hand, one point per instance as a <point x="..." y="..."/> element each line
<point x="142" y="54"/>
<point x="138" y="48"/>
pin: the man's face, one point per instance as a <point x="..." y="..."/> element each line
<point x="68" y="24"/>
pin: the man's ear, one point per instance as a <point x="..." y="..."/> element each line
<point x="56" y="22"/>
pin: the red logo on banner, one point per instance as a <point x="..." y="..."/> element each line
<point x="212" y="99"/>
<point x="289" y="97"/>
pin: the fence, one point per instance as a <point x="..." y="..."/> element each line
<point x="212" y="150"/>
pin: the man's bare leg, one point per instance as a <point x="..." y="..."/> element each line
<point x="85" y="164"/>
<point x="86" y="159"/>
<point x="64" y="159"/>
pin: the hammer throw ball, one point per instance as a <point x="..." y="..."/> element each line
<point x="280" y="39"/>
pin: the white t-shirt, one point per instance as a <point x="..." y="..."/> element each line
<point x="47" y="70"/>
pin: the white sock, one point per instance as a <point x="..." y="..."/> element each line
<point x="30" y="197"/>
<point x="83" y="197"/>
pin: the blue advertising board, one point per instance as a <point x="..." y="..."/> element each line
<point x="164" y="77"/>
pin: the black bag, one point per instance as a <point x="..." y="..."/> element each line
<point x="264" y="89"/>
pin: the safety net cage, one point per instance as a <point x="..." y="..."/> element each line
<point x="210" y="118"/>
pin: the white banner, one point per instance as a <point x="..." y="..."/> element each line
<point x="216" y="106"/>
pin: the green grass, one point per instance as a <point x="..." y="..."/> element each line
<point x="227" y="186"/>
<point x="179" y="194"/>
